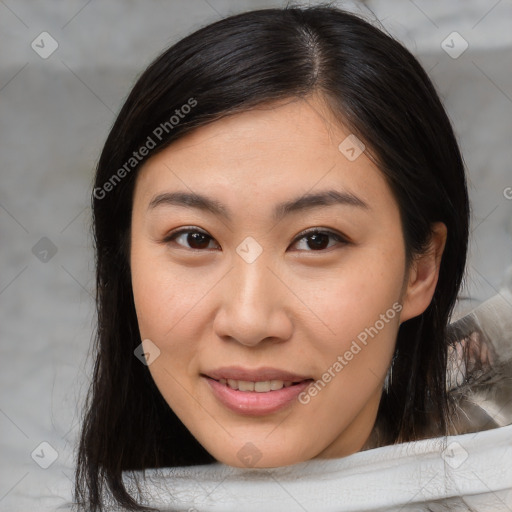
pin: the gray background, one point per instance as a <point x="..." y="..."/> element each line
<point x="55" y="114"/>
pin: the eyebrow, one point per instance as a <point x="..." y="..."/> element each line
<point x="304" y="202"/>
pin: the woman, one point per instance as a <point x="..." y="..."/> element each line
<point x="281" y="226"/>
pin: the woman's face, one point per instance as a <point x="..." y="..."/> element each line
<point x="230" y="281"/>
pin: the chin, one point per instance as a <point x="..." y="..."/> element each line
<point x="249" y="454"/>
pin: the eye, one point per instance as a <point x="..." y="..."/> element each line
<point x="195" y="238"/>
<point x="315" y="239"/>
<point x="318" y="240"/>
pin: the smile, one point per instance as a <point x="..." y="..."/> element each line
<point x="259" y="386"/>
<point x="256" y="397"/>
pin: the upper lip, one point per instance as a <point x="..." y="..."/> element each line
<point x="254" y="375"/>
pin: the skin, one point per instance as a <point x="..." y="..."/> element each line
<point x="295" y="307"/>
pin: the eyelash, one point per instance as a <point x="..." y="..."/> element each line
<point x="304" y="234"/>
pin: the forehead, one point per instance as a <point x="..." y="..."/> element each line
<point x="265" y="155"/>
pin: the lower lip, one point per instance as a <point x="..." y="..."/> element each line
<point x="253" y="403"/>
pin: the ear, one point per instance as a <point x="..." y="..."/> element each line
<point x="423" y="275"/>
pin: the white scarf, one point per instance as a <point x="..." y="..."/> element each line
<point x="470" y="472"/>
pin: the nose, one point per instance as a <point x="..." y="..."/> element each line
<point x="254" y="305"/>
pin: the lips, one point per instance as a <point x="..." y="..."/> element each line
<point x="255" y="392"/>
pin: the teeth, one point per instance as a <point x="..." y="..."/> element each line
<point x="259" y="387"/>
<point x="276" y="384"/>
<point x="262" y="387"/>
<point x="245" y="385"/>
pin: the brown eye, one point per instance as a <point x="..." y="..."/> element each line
<point x="317" y="240"/>
<point x="197" y="240"/>
<point x="190" y="238"/>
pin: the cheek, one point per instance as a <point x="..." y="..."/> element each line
<point x="164" y="296"/>
<point x="164" y="304"/>
<point x="359" y="307"/>
<point x="355" y="295"/>
<point x="362" y="314"/>
<point x="169" y="304"/>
